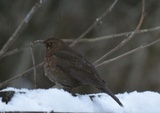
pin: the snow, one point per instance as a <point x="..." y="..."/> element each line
<point x="58" y="100"/>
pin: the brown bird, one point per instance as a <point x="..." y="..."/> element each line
<point x="65" y="66"/>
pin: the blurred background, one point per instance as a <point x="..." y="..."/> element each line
<point x="68" y="19"/>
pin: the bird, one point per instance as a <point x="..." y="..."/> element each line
<point x="67" y="67"/>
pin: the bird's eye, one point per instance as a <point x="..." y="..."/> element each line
<point x="49" y="43"/>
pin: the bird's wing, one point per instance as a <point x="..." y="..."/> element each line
<point x="76" y="66"/>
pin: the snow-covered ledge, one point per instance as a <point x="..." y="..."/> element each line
<point x="61" y="101"/>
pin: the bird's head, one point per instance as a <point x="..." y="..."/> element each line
<point x="54" y="44"/>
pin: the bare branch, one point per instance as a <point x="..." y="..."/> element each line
<point x="21" y="49"/>
<point x="20" y="75"/>
<point x="125" y="41"/>
<point x="38" y="42"/>
<point x="86" y="40"/>
<point x="22" y="25"/>
<point x="14" y="51"/>
<point x="96" y="22"/>
<point x="130" y="52"/>
<point x="113" y="35"/>
<point x="34" y="63"/>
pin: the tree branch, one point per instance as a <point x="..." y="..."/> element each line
<point x="34" y="63"/>
<point x="125" y="41"/>
<point x="22" y="25"/>
<point x="96" y="22"/>
<point x="20" y="75"/>
<point x="86" y="40"/>
<point x="113" y="35"/>
<point x="128" y="53"/>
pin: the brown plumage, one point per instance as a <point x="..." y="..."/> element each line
<point x="67" y="67"/>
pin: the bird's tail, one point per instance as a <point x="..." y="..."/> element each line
<point x="109" y="92"/>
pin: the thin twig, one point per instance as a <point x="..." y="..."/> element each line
<point x="20" y="75"/>
<point x="22" y="25"/>
<point x="38" y="42"/>
<point x="130" y="52"/>
<point x="96" y="22"/>
<point x="34" y="63"/>
<point x="126" y="40"/>
<point x="14" y="51"/>
<point x="113" y="35"/>
<point x="86" y="40"/>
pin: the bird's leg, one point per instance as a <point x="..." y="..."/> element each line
<point x="93" y="96"/>
<point x="70" y="90"/>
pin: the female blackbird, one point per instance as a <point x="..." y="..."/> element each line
<point x="67" y="67"/>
